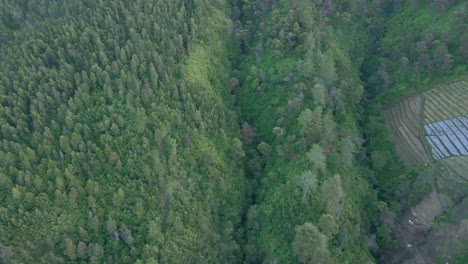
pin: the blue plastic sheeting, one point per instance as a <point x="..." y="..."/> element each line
<point x="448" y="137"/>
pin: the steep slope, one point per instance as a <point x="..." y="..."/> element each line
<point x="117" y="141"/>
<point x="299" y="92"/>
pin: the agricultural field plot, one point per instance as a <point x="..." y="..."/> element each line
<point x="445" y="119"/>
<point x="404" y="121"/>
<point x="446" y="102"/>
<point x="448" y="138"/>
<point x="446" y="127"/>
<point x="431" y="126"/>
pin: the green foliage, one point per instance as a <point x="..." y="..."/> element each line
<point x="168" y="132"/>
<point x="422" y="45"/>
<point x="310" y="245"/>
<point x="308" y="182"/>
<point x="332" y="190"/>
<point x="384" y="237"/>
<point x="316" y="157"/>
<point x="462" y="259"/>
<point x="300" y="89"/>
<point x="328" y="225"/>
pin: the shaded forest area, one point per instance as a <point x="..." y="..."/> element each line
<point x="203" y="131"/>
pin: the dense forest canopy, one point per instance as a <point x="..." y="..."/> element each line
<point x="117" y="142"/>
<point x="241" y="131"/>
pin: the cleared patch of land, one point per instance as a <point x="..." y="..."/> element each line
<point x="445" y="119"/>
<point x="446" y="102"/>
<point x="433" y="126"/>
<point x="446" y="127"/>
<point x="432" y="129"/>
<point x="404" y="121"/>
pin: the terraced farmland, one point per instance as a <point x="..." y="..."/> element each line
<point x="446" y="102"/>
<point x="431" y="128"/>
<point x="432" y="125"/>
<point x="448" y="138"/>
<point x="404" y="121"/>
<point x="445" y="119"/>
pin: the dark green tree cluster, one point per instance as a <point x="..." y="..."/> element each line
<point x="423" y="41"/>
<point x="116" y="141"/>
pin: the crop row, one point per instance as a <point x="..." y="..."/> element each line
<point x="447" y="138"/>
<point x="404" y="122"/>
<point x="446" y="102"/>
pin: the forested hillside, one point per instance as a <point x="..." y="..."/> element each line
<point x="240" y="131"/>
<point x="299" y="96"/>
<point x="118" y="142"/>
